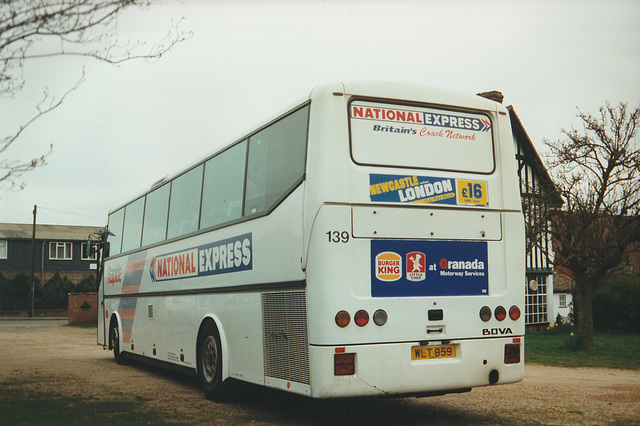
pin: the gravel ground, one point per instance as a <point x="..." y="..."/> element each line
<point x="67" y="360"/>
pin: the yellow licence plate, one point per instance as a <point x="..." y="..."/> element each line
<point x="433" y="352"/>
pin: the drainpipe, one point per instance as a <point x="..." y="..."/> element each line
<point x="33" y="251"/>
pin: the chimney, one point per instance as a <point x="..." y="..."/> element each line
<point x="494" y="95"/>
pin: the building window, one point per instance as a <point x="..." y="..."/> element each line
<point x="3" y="249"/>
<point x="60" y="251"/>
<point x="94" y="252"/>
<point x="563" y="300"/>
<point x="536" y="300"/>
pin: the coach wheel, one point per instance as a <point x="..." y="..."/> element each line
<point x="210" y="363"/>
<point x="114" y="342"/>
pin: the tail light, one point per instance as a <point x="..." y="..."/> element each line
<point x="361" y="318"/>
<point x="514" y="313"/>
<point x="343" y="319"/>
<point x="344" y="364"/>
<point x="380" y="317"/>
<point x="500" y="313"/>
<point x="512" y="353"/>
<point x="485" y="313"/>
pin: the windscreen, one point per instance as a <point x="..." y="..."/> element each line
<point x="388" y="134"/>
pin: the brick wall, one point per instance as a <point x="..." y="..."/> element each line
<point x="83" y="308"/>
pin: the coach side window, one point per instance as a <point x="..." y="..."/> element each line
<point x="116" y="220"/>
<point x="223" y="186"/>
<point x="132" y="225"/>
<point x="276" y="161"/>
<point x="155" y="215"/>
<point x="184" y="205"/>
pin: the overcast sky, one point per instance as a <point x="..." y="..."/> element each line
<point x="128" y="126"/>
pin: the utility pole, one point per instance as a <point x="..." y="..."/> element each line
<point x="33" y="256"/>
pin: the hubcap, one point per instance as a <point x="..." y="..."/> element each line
<point x="209" y="359"/>
<point x="115" y="341"/>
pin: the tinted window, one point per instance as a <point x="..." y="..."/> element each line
<point x="184" y="207"/>
<point x="223" y="186"/>
<point x="132" y="233"/>
<point x="116" y="220"/>
<point x="276" y="161"/>
<point x="155" y="216"/>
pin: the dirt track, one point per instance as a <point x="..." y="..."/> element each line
<point x="67" y="360"/>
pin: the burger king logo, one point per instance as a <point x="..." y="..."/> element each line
<point x="388" y="266"/>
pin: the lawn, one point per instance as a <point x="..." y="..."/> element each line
<point x="558" y="346"/>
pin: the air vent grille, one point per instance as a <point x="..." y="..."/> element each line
<point x="286" y="346"/>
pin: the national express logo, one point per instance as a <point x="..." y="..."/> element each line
<point x="220" y="257"/>
<point x="418" y="117"/>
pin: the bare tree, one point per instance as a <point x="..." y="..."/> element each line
<point x="31" y="29"/>
<point x="597" y="172"/>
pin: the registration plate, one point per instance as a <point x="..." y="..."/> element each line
<point x="433" y="352"/>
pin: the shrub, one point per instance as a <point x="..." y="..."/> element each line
<point x="86" y="285"/>
<point x="559" y="320"/>
<point x="616" y="304"/>
<point x="56" y="291"/>
<point x="16" y="294"/>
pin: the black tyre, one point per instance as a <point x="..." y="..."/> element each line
<point x="210" y="363"/>
<point x="114" y="342"/>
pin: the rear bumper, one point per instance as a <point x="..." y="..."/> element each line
<point x="387" y="369"/>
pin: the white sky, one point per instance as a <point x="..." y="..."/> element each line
<point x="128" y="126"/>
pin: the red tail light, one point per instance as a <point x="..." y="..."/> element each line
<point x="500" y="313"/>
<point x="343" y="319"/>
<point x="344" y="364"/>
<point x="361" y="318"/>
<point x="514" y="313"/>
<point x="512" y="353"/>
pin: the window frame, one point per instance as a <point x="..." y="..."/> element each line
<point x="55" y="252"/>
<point x="95" y="252"/>
<point x="562" y="300"/>
<point x="4" y="253"/>
<point x="537" y="302"/>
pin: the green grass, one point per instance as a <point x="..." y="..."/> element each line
<point x="559" y="346"/>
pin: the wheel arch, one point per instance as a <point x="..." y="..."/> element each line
<point x="213" y="319"/>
